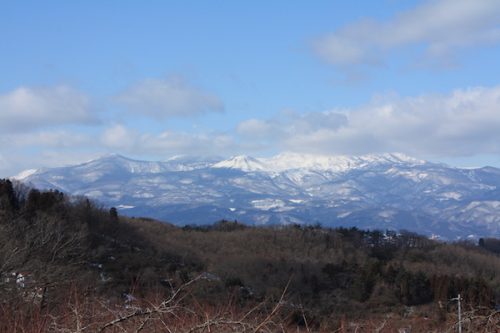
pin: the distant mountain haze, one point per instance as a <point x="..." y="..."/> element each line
<point x="378" y="191"/>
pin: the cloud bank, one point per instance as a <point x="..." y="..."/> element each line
<point x="25" y="109"/>
<point x="171" y="97"/>
<point x="439" y="28"/>
<point x="169" y="142"/>
<point x="462" y="123"/>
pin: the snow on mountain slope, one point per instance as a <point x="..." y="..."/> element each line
<point x="291" y="161"/>
<point x="25" y="174"/>
<point x="242" y="162"/>
<point x="339" y="163"/>
<point x="372" y="191"/>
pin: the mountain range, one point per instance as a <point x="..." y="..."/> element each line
<point x="379" y="191"/>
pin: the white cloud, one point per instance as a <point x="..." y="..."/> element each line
<point x="171" y="97"/>
<point x="25" y="109"/>
<point x="3" y="162"/>
<point x="28" y="150"/>
<point x="44" y="149"/>
<point x="441" y="27"/>
<point x="118" y="136"/>
<point x="212" y="143"/>
<point x="127" y="140"/>
<point x="256" y="129"/>
<point x="54" y="139"/>
<point x="462" y="123"/>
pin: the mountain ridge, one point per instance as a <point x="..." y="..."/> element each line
<point x="384" y="191"/>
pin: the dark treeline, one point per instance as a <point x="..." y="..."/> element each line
<point x="49" y="241"/>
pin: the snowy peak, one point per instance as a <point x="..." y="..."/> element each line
<point x="290" y="161"/>
<point x="25" y="174"/>
<point x="397" y="158"/>
<point x="112" y="162"/>
<point x="189" y="162"/>
<point x="241" y="162"/>
<point x="334" y="163"/>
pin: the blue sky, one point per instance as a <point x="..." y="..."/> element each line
<point x="153" y="79"/>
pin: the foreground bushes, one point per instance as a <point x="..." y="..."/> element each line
<point x="179" y="311"/>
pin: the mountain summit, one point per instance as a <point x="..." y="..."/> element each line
<point x="242" y="162"/>
<point x="384" y="191"/>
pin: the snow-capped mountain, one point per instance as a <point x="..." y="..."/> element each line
<point x="243" y="163"/>
<point x="385" y="191"/>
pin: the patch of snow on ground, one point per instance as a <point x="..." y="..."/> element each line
<point x="94" y="194"/>
<point x="91" y="176"/>
<point x="144" y="195"/>
<point x="345" y="214"/>
<point x="386" y="214"/>
<point x="451" y="195"/>
<point x="296" y="201"/>
<point x="124" y="207"/>
<point x="267" y="204"/>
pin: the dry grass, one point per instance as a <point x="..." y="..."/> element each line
<point x="82" y="312"/>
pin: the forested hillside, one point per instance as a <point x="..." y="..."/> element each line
<point x="69" y="265"/>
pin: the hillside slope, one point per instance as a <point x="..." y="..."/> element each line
<point x="52" y="244"/>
